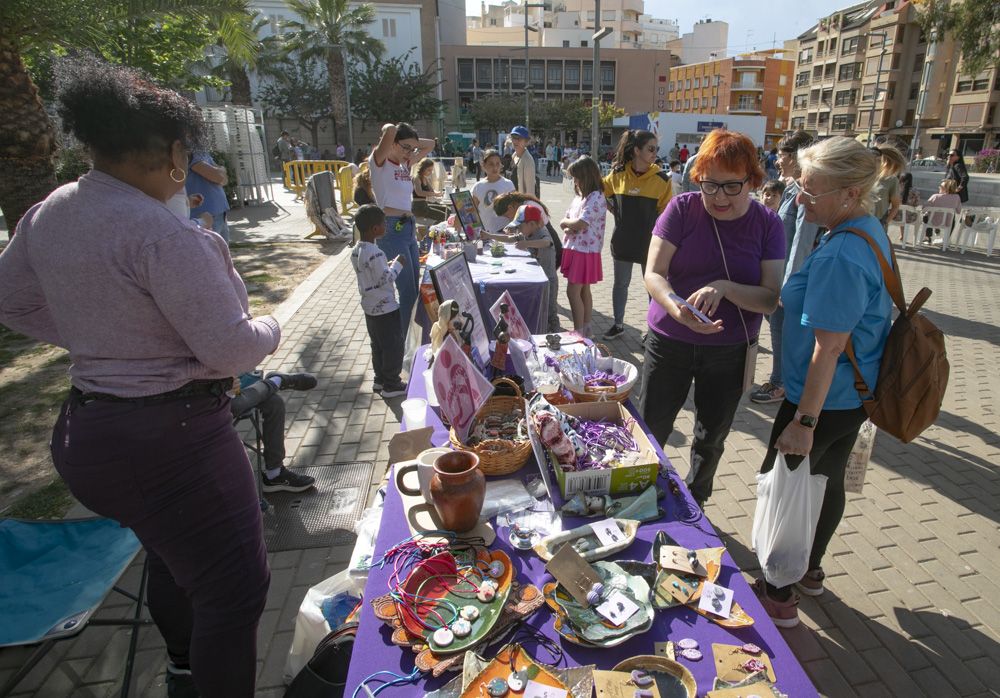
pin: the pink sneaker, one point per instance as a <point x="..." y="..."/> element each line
<point x="784" y="614"/>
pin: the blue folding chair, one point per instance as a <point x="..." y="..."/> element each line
<point x="56" y="574"/>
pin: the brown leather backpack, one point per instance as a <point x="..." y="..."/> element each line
<point x="913" y="375"/>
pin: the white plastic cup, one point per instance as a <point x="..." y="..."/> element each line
<point x="415" y="412"/>
<point x="429" y="386"/>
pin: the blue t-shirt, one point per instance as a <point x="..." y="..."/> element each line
<point x="215" y="201"/>
<point x="839" y="289"/>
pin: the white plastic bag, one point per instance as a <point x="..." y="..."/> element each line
<point x="784" y="523"/>
<point x="310" y="625"/>
<point x="861" y="454"/>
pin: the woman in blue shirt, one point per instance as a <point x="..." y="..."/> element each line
<point x="837" y="296"/>
<point x="207" y="179"/>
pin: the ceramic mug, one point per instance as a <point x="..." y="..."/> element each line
<point x="424" y="466"/>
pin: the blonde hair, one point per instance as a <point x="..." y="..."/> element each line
<point x="846" y="163"/>
<point x="893" y="161"/>
<point x="950" y="186"/>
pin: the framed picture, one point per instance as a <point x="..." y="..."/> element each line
<point x="468" y="214"/>
<point x="453" y="281"/>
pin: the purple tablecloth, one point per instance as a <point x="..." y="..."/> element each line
<point x="373" y="650"/>
<point x="527" y="286"/>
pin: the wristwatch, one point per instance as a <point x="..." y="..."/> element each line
<point x="806" y="420"/>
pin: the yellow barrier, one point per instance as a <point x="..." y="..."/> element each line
<point x="298" y="172"/>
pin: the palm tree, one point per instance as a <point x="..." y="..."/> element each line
<point x="27" y="137"/>
<point x="331" y="29"/>
<point x="250" y="52"/>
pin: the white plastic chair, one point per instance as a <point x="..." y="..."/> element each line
<point x="975" y="221"/>
<point x="908" y="221"/>
<point x="942" y="219"/>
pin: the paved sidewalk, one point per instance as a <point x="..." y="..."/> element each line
<point x="912" y="606"/>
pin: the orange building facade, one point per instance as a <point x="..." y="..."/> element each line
<point x="756" y="84"/>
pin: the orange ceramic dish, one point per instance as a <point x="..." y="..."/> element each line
<point x="500" y="668"/>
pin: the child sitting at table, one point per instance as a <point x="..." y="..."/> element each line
<point x="376" y="279"/>
<point x="583" y="228"/>
<point x="528" y="232"/>
<point x="485" y="192"/>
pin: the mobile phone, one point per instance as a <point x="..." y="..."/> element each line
<point x="694" y="311"/>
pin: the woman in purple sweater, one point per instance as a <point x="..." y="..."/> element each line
<point x="155" y="320"/>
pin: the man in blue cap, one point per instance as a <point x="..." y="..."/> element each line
<point x="523" y="164"/>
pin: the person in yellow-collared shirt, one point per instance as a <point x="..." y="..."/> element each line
<point x="638" y="190"/>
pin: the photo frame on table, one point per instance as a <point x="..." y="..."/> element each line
<point x="465" y="209"/>
<point x="452" y="280"/>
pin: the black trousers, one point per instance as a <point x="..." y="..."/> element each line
<point x="833" y="440"/>
<point x="387" y="347"/>
<point x="717" y="372"/>
<point x="264" y="396"/>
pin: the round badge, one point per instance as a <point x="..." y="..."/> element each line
<point x="496" y="569"/>
<point x="751" y="648"/>
<point x="469" y="613"/>
<point x="688" y="643"/>
<point x="443" y="637"/>
<point x="486" y="594"/>
<point x="461" y="628"/>
<point x="691" y="654"/>
<point x="497" y="688"/>
<point x="517" y="680"/>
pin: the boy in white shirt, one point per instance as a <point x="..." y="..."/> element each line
<point x="485" y="192"/>
<point x="376" y="279"/>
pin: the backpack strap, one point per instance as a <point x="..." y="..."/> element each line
<point x="894" y="285"/>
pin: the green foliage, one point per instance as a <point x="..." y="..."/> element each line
<point x="551" y="115"/>
<point x="607" y="112"/>
<point x="497" y="113"/>
<point x="329" y="24"/>
<point x="975" y="27"/>
<point x="71" y="164"/>
<point x="298" y="90"/>
<point x="412" y="90"/>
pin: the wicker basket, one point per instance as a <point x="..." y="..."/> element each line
<point x="601" y="394"/>
<point x="508" y="460"/>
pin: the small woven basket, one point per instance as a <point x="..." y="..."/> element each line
<point x="497" y="456"/>
<point x="601" y="394"/>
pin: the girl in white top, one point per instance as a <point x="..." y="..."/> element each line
<point x="485" y="192"/>
<point x="389" y="165"/>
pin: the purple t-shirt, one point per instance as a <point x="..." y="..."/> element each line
<point x="751" y="239"/>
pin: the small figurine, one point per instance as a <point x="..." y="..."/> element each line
<point x="464" y="330"/>
<point x="442" y="327"/>
<point x="502" y="335"/>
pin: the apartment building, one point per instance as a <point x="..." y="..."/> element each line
<point x="570" y="24"/>
<point x="870" y="68"/>
<point x="755" y="84"/>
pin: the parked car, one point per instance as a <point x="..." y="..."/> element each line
<point x="931" y="164"/>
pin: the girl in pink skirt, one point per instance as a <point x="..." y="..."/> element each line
<point x="583" y="231"/>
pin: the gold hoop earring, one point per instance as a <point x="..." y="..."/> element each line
<point x="183" y="175"/>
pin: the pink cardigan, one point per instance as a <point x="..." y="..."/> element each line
<point x="144" y="301"/>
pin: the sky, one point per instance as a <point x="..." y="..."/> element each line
<point x="753" y="24"/>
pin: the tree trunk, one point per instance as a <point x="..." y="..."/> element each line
<point x="27" y="139"/>
<point x="239" y="87"/>
<point x="338" y="89"/>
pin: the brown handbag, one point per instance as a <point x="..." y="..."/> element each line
<point x="913" y="374"/>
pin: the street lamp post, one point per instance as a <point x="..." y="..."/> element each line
<point x="595" y="127"/>
<point x="527" y="65"/>
<point x="925" y="78"/>
<point x="878" y="82"/>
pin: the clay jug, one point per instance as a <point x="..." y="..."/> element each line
<point x="458" y="488"/>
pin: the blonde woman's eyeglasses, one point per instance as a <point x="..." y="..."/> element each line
<point x="813" y="198"/>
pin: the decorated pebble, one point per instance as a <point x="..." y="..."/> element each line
<point x="469" y="613"/>
<point x="598" y="588"/>
<point x="496" y="569"/>
<point x="461" y="628"/>
<point x="751" y="648"/>
<point x="691" y="654"/>
<point x="643" y="693"/>
<point x="688" y="643"/>
<point x="497" y="687"/>
<point x="486" y="593"/>
<point x="443" y="637"/>
<point x="593" y="597"/>
<point x="641" y="678"/>
<point x="517" y="680"/>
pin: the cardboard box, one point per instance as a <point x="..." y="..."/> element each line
<point x="625" y="480"/>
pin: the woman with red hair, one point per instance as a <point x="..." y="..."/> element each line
<point x="714" y="268"/>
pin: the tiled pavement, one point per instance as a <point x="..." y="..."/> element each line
<point x="912" y="606"/>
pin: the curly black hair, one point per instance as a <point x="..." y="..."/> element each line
<point x="119" y="112"/>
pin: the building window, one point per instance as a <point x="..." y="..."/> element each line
<point x="910" y="114"/>
<point x="687" y="103"/>
<point x="555" y="74"/>
<point x="588" y="74"/>
<point x="777" y="123"/>
<point x="687" y="84"/>
<point x="896" y="60"/>
<point x="389" y="28"/>
<point x="845" y="98"/>
<point x="849" y="71"/>
<point x="607" y="76"/>
<point x="483" y="72"/>
<point x="802" y="78"/>
<point x="704" y="102"/>
<point x="914" y="90"/>
<point x="918" y="63"/>
<point x="677" y="105"/>
<point x="843" y="122"/>
<point x="963" y="86"/>
<point x="806" y="55"/>
<point x="572" y="75"/>
<point x="517" y="75"/>
<point x="980" y="84"/>
<point x="850" y="45"/>
<point x="782" y="80"/>
<point x="798" y="123"/>
<point x="800" y="102"/>
<point x="465" y="70"/>
<point x="697" y="83"/>
<point x="537" y="74"/>
<point x="781" y="102"/>
<point x="715" y="102"/>
<point x="583" y="44"/>
<point x="671" y="88"/>
<point x="565" y="43"/>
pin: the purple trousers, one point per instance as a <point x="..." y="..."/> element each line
<point x="177" y="474"/>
